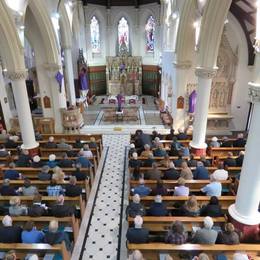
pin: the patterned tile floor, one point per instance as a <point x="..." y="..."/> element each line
<point x="103" y="236"/>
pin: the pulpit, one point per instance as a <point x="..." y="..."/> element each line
<point x="72" y="120"/>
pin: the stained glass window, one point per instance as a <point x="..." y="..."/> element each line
<point x="123" y="35"/>
<point x="149" y="34"/>
<point x="95" y="35"/>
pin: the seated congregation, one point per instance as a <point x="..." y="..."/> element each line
<point x="177" y="198"/>
<point x="43" y="196"/>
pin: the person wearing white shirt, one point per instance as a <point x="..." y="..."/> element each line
<point x="220" y="174"/>
<point x="214" y="188"/>
<point x="86" y="151"/>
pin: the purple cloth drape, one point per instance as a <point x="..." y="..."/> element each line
<point x="59" y="78"/>
<point x="83" y="80"/>
<point x="192" y="101"/>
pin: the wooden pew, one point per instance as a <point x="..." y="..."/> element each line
<point x="28" y="200"/>
<point x="151" y="251"/>
<point x="194" y="185"/>
<point x="3" y="160"/>
<point x="45" y="152"/>
<point x="43" y="221"/>
<point x="32" y="173"/>
<point x="225" y="201"/>
<point x="223" y="151"/>
<point x="159" y="224"/>
<point x="23" y="249"/>
<point x="231" y="170"/>
<point x="73" y="137"/>
<point x="42" y="185"/>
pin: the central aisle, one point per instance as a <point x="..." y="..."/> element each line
<point x="104" y="231"/>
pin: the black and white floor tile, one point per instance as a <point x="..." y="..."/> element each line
<point x="103" y="236"/>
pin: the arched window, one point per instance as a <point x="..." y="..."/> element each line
<point x="149" y="34"/>
<point x="95" y="35"/>
<point x="123" y="36"/>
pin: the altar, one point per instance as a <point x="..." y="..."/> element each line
<point x="124" y="75"/>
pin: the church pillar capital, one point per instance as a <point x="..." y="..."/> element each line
<point x="184" y="65"/>
<point x="17" y="75"/>
<point x="254" y="92"/>
<point x="206" y="73"/>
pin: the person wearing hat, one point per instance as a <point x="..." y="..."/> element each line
<point x="8" y="232"/>
<point x="137" y="234"/>
<point x="51" y="144"/>
<point x="37" y="163"/>
<point x="214" y="142"/>
<point x="6" y="189"/>
<point x="157" y="208"/>
<point x="52" y="161"/>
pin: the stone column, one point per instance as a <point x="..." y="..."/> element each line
<point x="58" y="97"/>
<point x="69" y="74"/>
<point x="205" y="76"/>
<point x="179" y="89"/>
<point x="244" y="212"/>
<point x="23" y="109"/>
<point x="4" y="102"/>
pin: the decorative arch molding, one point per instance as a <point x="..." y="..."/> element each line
<point x="11" y="47"/>
<point x="66" y="30"/>
<point x="146" y="13"/>
<point x="121" y="14"/>
<point x="43" y="20"/>
<point x="185" y="35"/>
<point x="96" y="12"/>
<point x="212" y="24"/>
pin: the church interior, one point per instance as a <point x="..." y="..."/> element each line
<point x="129" y="129"/>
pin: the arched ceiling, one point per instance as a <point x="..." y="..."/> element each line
<point x="245" y="12"/>
<point x="109" y="3"/>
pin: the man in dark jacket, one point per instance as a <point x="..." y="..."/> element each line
<point x="137" y="234"/>
<point x="158" y="208"/>
<point x="201" y="173"/>
<point x="53" y="236"/>
<point x="72" y="189"/>
<point x="240" y="159"/>
<point x="62" y="210"/>
<point x="240" y="141"/>
<point x="37" y="209"/>
<point x="8" y="232"/>
<point x="230" y="161"/>
<point x="65" y="162"/>
<point x="24" y="159"/>
<point x="6" y="189"/>
<point x="51" y="144"/>
<point x="172" y="173"/>
<point x="135" y="208"/>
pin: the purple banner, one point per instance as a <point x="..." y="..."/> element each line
<point x="192" y="101"/>
<point x="83" y="76"/>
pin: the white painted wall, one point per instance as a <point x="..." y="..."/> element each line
<point x="240" y="100"/>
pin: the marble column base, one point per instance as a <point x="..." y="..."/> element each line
<point x="250" y="232"/>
